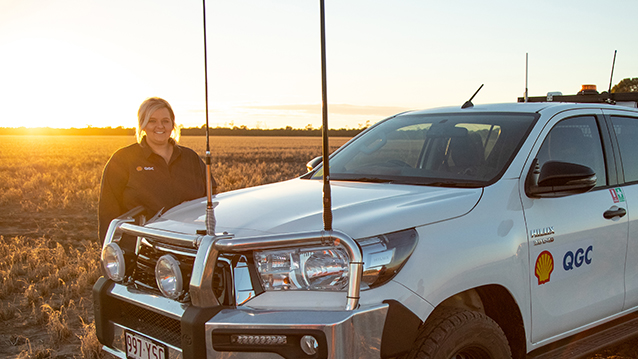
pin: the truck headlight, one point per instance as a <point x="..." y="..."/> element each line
<point x="113" y="262"/>
<point x="169" y="277"/>
<point x="303" y="268"/>
<point x="384" y="255"/>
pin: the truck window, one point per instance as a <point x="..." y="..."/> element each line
<point x="466" y="149"/>
<point x="575" y="140"/>
<point x="626" y="129"/>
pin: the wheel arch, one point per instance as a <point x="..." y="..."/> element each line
<point x="496" y="302"/>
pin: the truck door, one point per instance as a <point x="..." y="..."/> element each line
<point x="577" y="256"/>
<point x="625" y="129"/>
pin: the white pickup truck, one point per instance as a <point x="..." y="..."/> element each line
<point x="491" y="231"/>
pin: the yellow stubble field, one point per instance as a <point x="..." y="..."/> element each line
<point x="49" y="252"/>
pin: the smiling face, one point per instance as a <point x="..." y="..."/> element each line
<point x="159" y="127"/>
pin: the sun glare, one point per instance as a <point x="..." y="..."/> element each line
<point x="46" y="90"/>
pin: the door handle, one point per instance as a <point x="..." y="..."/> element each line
<point x="614" y="212"/>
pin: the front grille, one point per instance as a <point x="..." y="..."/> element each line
<point x="148" y="257"/>
<point x="150" y="253"/>
<point x="148" y="322"/>
<point x="223" y="282"/>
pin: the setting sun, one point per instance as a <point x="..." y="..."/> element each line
<point x="67" y="99"/>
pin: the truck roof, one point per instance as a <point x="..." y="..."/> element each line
<point x="621" y="98"/>
<point x="529" y="107"/>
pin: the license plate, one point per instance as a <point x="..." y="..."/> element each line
<point x="141" y="347"/>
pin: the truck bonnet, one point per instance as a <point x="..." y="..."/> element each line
<point x="361" y="209"/>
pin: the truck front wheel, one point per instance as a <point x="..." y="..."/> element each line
<point x="452" y="333"/>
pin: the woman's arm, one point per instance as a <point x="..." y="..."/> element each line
<point x="111" y="205"/>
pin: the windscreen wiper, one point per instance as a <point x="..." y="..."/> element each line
<point x="368" y="179"/>
<point x="452" y="184"/>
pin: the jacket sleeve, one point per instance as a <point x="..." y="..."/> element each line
<point x="114" y="179"/>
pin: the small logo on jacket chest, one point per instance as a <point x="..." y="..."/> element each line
<point x="140" y="168"/>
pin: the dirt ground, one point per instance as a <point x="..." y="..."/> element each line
<point x="51" y="322"/>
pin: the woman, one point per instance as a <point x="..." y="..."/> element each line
<point x="155" y="172"/>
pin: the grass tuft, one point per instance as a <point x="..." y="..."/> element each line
<point x="40" y="352"/>
<point x="57" y="323"/>
<point x="90" y="347"/>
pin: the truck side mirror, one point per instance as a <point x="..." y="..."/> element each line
<point x="558" y="179"/>
<point x="314" y="163"/>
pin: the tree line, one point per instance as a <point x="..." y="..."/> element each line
<point x="196" y="131"/>
<point x="288" y="131"/>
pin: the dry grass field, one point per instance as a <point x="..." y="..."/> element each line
<point x="49" y="256"/>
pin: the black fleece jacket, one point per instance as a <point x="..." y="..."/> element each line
<point x="137" y="176"/>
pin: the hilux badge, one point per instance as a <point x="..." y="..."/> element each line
<point x="541" y="232"/>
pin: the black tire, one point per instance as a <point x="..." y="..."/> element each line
<point x="452" y="333"/>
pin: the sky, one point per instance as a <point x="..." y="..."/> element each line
<point x="79" y="63"/>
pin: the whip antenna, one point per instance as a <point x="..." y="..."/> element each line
<point x="526" y="72"/>
<point x="469" y="103"/>
<point x="210" y="215"/>
<point x="611" y="77"/>
<point x="327" y="197"/>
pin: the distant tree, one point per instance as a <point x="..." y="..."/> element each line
<point x="626" y="85"/>
<point x="364" y="126"/>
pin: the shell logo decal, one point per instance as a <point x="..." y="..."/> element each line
<point x="544" y="267"/>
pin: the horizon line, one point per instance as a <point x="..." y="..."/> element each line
<point x="241" y="127"/>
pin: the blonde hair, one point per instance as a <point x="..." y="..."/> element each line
<point x="147" y="108"/>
